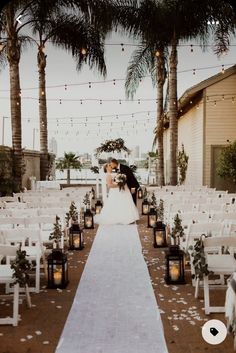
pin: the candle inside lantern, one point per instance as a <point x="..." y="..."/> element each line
<point x="77" y="242"/>
<point x="88" y="222"/>
<point x="152" y="221"/>
<point x="57" y="277"/>
<point x="98" y="210"/>
<point x="174" y="273"/>
<point x="159" y="239"/>
<point x="145" y="209"/>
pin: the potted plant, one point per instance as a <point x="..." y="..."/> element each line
<point x="56" y="235"/>
<point x="177" y="231"/>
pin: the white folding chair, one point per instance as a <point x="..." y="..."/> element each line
<point x="30" y="241"/>
<point x="6" y="274"/>
<point x="220" y="264"/>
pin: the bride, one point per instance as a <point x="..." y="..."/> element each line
<point x="119" y="207"/>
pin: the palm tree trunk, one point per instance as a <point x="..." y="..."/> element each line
<point x="42" y="114"/>
<point x="160" y="151"/>
<point x="173" y="111"/>
<point x="13" y="57"/>
<point x="68" y="176"/>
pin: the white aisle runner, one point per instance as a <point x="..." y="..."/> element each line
<point x="114" y="310"/>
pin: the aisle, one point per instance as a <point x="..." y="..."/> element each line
<point x="114" y="310"/>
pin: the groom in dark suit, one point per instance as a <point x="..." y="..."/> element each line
<point x="132" y="182"/>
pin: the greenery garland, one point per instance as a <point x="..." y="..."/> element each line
<point x="95" y="169"/>
<point x="199" y="259"/>
<point x="182" y="164"/>
<point x="117" y="145"/>
<point x="21" y="268"/>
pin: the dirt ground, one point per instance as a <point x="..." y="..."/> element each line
<point x="182" y="315"/>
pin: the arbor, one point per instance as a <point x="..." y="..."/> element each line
<point x="70" y="161"/>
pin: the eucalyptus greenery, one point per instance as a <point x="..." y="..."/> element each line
<point x="21" y="268"/>
<point x="182" y="164"/>
<point x="199" y="259"/>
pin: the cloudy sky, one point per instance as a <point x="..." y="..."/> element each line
<point x="82" y="127"/>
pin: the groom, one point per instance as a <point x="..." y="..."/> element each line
<point x="132" y="182"/>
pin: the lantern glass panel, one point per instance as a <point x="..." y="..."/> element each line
<point x="145" y="207"/>
<point x="57" y="270"/>
<point x="175" y="268"/>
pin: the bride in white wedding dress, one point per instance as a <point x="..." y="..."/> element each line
<point x="119" y="207"/>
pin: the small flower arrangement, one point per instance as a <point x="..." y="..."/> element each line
<point x="120" y="179"/>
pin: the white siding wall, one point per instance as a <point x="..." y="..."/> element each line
<point x="190" y="134"/>
<point x="220" y="119"/>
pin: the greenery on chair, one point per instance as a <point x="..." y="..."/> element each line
<point x="21" y="268"/>
<point x="199" y="259"/>
<point x="227" y="162"/>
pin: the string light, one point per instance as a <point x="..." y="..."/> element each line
<point x="191" y="48"/>
<point x="83" y="51"/>
<point x="65" y="87"/>
<point x="122" y="47"/>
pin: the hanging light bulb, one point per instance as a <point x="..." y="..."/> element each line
<point x="114" y="82"/>
<point x="194" y="71"/>
<point x="90" y="85"/>
<point x="65" y="87"/>
<point x="232" y="99"/>
<point x="223" y="69"/>
<point x="191" y="48"/>
<point x="81" y="101"/>
<point x="223" y="97"/>
<point x="60" y="101"/>
<point x="83" y="51"/>
<point x="122" y="47"/>
<point x="157" y="53"/>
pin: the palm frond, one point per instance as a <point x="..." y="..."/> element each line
<point x="142" y="62"/>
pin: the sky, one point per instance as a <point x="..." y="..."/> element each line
<point x="81" y="128"/>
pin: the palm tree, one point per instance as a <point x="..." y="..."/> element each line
<point x="177" y="21"/>
<point x="70" y="161"/>
<point x="11" y="48"/>
<point x="77" y="33"/>
<point x="150" y="58"/>
<point x="48" y="20"/>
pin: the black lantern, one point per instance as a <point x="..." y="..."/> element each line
<point x="98" y="207"/>
<point x="88" y="219"/>
<point x="152" y="218"/>
<point x="145" y="207"/>
<point x="140" y="193"/>
<point x="76" y="239"/>
<point x="174" y="267"/>
<point x="159" y="235"/>
<point x="57" y="269"/>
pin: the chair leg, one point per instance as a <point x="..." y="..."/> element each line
<point x="16" y="304"/>
<point x="206" y="295"/>
<point x="37" y="275"/>
<point x="196" y="288"/>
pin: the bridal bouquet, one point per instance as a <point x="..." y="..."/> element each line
<point x="120" y="179"/>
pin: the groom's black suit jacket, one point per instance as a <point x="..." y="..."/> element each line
<point x="132" y="182"/>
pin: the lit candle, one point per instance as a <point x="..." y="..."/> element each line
<point x="88" y="222"/>
<point x="57" y="276"/>
<point x="174" y="273"/>
<point x="152" y="221"/>
<point x="159" y="239"/>
<point x="98" y="210"/>
<point x="77" y="242"/>
<point x="145" y="209"/>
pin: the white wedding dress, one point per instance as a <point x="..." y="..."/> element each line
<point x="118" y="208"/>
